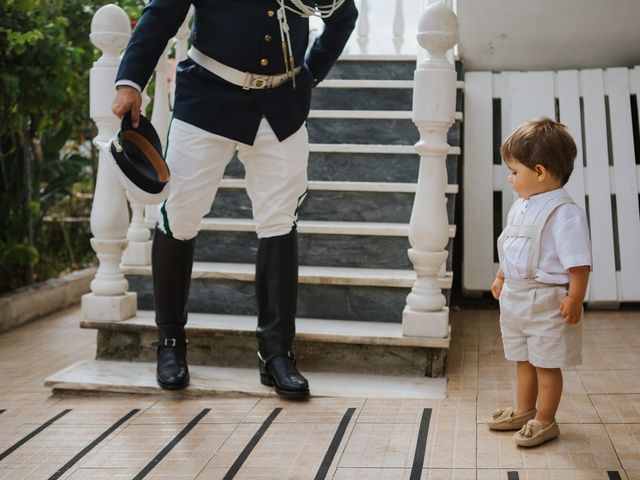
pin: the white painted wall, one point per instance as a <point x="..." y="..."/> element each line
<point x="548" y="34"/>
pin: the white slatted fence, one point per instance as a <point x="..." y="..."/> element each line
<point x="599" y="108"/>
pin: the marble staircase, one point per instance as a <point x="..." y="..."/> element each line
<point x="354" y="270"/>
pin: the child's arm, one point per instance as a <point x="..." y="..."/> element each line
<point x="571" y="306"/>
<point x="496" y="287"/>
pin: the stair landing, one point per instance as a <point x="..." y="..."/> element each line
<point x="139" y="377"/>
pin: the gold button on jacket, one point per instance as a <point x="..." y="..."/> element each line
<point x="264" y="62"/>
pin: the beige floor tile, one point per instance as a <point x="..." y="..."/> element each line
<point x="395" y="410"/>
<point x="611" y="319"/>
<point x="314" y="410"/>
<point x="579" y="446"/>
<point x="451" y="443"/>
<point x="626" y="441"/>
<point x="287" y="450"/>
<point x="617" y="408"/>
<point x="372" y="474"/>
<point x="547" y="474"/>
<point x="184" y="410"/>
<point x="380" y="446"/>
<point x="610" y="358"/>
<point x="102" y="474"/>
<point x="633" y="474"/>
<point x="576" y="408"/>
<point x="50" y="449"/>
<point x="402" y="474"/>
<point x="137" y="445"/>
<point x="612" y="381"/>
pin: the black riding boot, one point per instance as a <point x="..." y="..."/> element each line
<point x="171" y="261"/>
<point x="276" y="293"/>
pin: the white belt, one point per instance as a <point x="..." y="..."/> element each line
<point x="246" y="80"/>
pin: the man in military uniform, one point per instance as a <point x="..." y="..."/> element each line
<point x="247" y="86"/>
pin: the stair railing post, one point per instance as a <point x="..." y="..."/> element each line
<point x="363" y="23"/>
<point x="434" y="94"/>
<point x="109" y="298"/>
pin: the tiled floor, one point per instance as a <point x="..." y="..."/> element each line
<point x="134" y="437"/>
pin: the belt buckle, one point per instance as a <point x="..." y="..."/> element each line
<point x="257" y="81"/>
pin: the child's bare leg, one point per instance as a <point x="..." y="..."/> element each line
<point x="550" y="392"/>
<point x="527" y="388"/>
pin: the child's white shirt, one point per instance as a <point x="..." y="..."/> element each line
<point x="564" y="242"/>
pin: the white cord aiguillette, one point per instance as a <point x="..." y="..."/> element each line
<point x="304" y="11"/>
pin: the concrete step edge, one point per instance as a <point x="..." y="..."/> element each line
<point x="307" y="329"/>
<point x="337" y="186"/>
<point x="245" y="272"/>
<point x="139" y="378"/>
<point x="370" y="148"/>
<point x="314" y="227"/>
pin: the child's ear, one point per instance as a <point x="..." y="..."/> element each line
<point x="541" y="171"/>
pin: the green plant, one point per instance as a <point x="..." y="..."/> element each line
<point x="45" y="57"/>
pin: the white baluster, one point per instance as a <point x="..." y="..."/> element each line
<point x="398" y="27"/>
<point x="398" y="21"/>
<point x="138" y="252"/>
<point x="363" y="23"/>
<point x="161" y="115"/>
<point x="182" y="45"/>
<point x="433" y="113"/>
<point x="109" y="300"/>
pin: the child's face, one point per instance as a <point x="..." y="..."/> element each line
<point x="524" y="180"/>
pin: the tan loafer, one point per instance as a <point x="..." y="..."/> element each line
<point x="503" y="419"/>
<point x="534" y="433"/>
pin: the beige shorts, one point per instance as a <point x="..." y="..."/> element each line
<point x="533" y="329"/>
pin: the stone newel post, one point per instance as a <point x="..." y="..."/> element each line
<point x="434" y="96"/>
<point x="109" y="300"/>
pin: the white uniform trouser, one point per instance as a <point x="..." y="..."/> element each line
<point x="275" y="178"/>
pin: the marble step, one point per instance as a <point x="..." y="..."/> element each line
<point x="333" y="244"/>
<point x="327" y="345"/>
<point x="139" y="378"/>
<point x="307" y="329"/>
<point x="371" y="277"/>
<point x="373" y="128"/>
<point x="376" y="295"/>
<point x="332" y="205"/>
<point x="383" y="68"/>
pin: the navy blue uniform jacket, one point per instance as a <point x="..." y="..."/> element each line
<point x="243" y="34"/>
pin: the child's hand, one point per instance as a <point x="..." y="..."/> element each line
<point x="571" y="310"/>
<point x="496" y="287"/>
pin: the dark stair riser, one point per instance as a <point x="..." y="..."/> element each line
<point x="373" y="70"/>
<point x="360" y="167"/>
<point x="369" y="131"/>
<point x="391" y="207"/>
<point x="362" y="99"/>
<point x="368" y="99"/>
<point x="240" y="351"/>
<point x="329" y="250"/>
<point x="344" y="302"/>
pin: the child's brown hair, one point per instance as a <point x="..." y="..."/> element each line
<point x="545" y="142"/>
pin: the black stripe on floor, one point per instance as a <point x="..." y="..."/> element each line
<point x="89" y="447"/>
<point x="513" y="475"/>
<point x="2" y="411"/>
<point x="335" y="444"/>
<point x="614" y="475"/>
<point x="421" y="445"/>
<point x="232" y="472"/>
<point x="163" y="453"/>
<point x="18" y="444"/>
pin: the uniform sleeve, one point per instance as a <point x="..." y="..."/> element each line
<point x="329" y="45"/>
<point x="571" y="236"/>
<point x="159" y="22"/>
